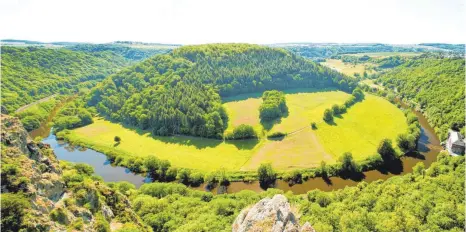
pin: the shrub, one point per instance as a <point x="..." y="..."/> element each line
<point x="13" y="210"/>
<point x="328" y="115"/>
<point x="242" y="132"/>
<point x="117" y="139"/>
<point x="386" y="150"/>
<point x="406" y="142"/>
<point x="313" y="125"/>
<point x="347" y="163"/>
<point x="277" y="134"/>
<point x="266" y="174"/>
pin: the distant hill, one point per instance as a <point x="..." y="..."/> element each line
<point x="179" y="93"/>
<point x="327" y="50"/>
<point x="33" y="73"/>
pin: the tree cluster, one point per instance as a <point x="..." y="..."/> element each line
<point x="273" y="105"/>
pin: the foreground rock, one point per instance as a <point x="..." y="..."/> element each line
<point x="273" y="215"/>
<point x="32" y="170"/>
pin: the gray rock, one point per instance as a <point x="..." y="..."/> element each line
<point x="269" y="215"/>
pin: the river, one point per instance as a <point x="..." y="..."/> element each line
<point x="428" y="147"/>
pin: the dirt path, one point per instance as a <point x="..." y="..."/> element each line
<point x="22" y="108"/>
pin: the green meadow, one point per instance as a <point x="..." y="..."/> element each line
<point x="358" y="131"/>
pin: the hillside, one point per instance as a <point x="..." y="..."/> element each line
<point x="32" y="73"/>
<point x="40" y="194"/>
<point x="180" y="93"/>
<point x="434" y="86"/>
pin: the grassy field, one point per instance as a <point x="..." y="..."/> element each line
<point x="358" y="131"/>
<point x="348" y="69"/>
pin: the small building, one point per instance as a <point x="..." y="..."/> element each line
<point x="455" y="143"/>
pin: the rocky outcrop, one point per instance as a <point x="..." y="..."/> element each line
<point x="275" y="215"/>
<point x="38" y="175"/>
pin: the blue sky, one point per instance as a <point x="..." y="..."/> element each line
<point x="251" y="21"/>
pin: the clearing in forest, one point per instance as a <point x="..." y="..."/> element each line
<point x="358" y="131"/>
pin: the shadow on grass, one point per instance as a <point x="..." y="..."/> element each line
<point x="246" y="144"/>
<point x="116" y="144"/>
<point x="258" y="94"/>
<point x="331" y="123"/>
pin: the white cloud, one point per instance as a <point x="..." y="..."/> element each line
<point x="253" y="21"/>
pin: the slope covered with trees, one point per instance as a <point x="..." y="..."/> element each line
<point x="179" y="93"/>
<point x="435" y="86"/>
<point x="32" y="73"/>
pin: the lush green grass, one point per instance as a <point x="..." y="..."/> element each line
<point x="181" y="151"/>
<point x="346" y="68"/>
<point x="358" y="131"/>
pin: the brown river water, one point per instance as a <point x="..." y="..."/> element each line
<point x="428" y="147"/>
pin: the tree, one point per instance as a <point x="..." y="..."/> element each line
<point x="347" y="163"/>
<point x="242" y="131"/>
<point x="313" y="125"/>
<point x="336" y="109"/>
<point x="273" y="105"/>
<point x="386" y="150"/>
<point x="406" y="142"/>
<point x="323" y="168"/>
<point x="266" y="174"/>
<point x="117" y="139"/>
<point x="328" y="116"/>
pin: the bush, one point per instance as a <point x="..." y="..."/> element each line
<point x="266" y="174"/>
<point x="328" y="115"/>
<point x="406" y="142"/>
<point x="386" y="150"/>
<point x="277" y="134"/>
<point x="117" y="139"/>
<point x="313" y="125"/>
<point x="242" y="132"/>
<point x="13" y="211"/>
<point x="347" y="163"/>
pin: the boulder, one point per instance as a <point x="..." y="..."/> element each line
<point x="269" y="215"/>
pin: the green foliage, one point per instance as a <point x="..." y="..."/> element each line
<point x="276" y="134"/>
<point x="130" y="53"/>
<point x="313" y="125"/>
<point x="117" y="139"/>
<point x="242" y="131"/>
<point x="435" y="86"/>
<point x="72" y="115"/>
<point x="386" y="150"/>
<point x="33" y="116"/>
<point x="101" y="225"/>
<point x="266" y="174"/>
<point x="179" y="93"/>
<point x="14" y="208"/>
<point x="328" y="115"/>
<point x="273" y="105"/>
<point x="400" y="203"/>
<point x="406" y="142"/>
<point x="59" y="215"/>
<point x="33" y="73"/>
<point x="348" y="165"/>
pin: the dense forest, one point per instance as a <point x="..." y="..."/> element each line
<point x="127" y="52"/>
<point x="426" y="200"/>
<point x="32" y="73"/>
<point x="179" y="93"/>
<point x="434" y="86"/>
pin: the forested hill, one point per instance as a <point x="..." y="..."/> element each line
<point x="127" y="51"/>
<point x="179" y="93"/>
<point x="436" y="86"/>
